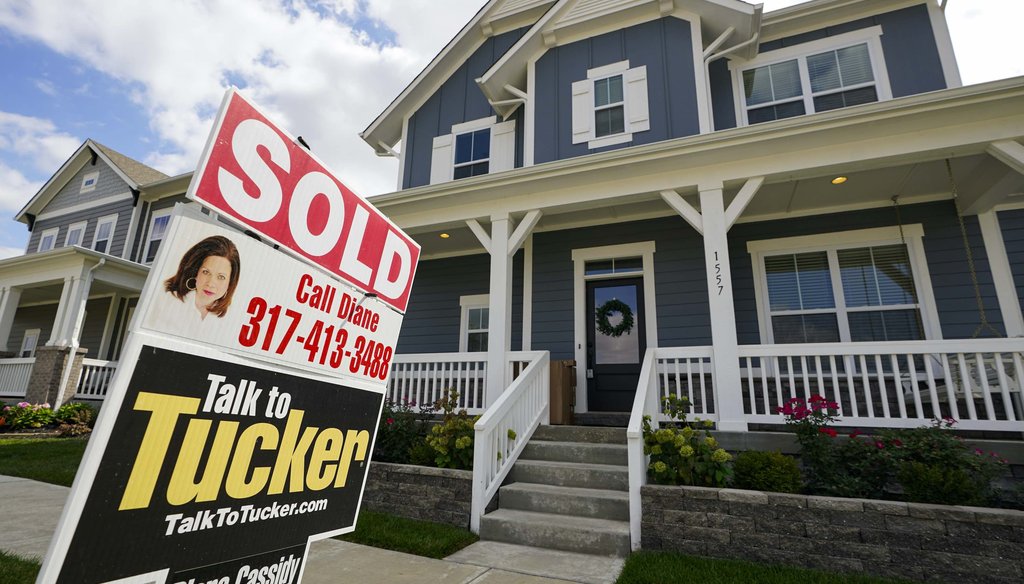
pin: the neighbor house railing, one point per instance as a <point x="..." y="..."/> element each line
<point x="503" y="430"/>
<point x="95" y="379"/>
<point x="14" y="375"/>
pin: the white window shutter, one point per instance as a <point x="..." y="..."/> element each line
<point x="638" y="117"/>
<point x="503" y="146"/>
<point x="441" y="160"/>
<point x="582" y="111"/>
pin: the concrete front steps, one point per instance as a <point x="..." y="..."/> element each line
<point x="567" y="491"/>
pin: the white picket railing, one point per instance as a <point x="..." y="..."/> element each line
<point x="895" y="384"/>
<point x="14" y="375"/>
<point x="422" y="379"/>
<point x="505" y="428"/>
<point x="645" y="403"/>
<point x="95" y="379"/>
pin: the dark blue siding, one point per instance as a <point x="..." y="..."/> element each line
<point x="723" y="104"/>
<point x="664" y="46"/>
<point x="1012" y="226"/>
<point x="908" y="41"/>
<point x="458" y="100"/>
<point x="431" y="323"/>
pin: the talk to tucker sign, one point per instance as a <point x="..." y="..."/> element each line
<point x="238" y="426"/>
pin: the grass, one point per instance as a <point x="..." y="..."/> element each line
<point x="50" y="460"/>
<point x="670" y="568"/>
<point x="422" y="538"/>
<point x="17" y="570"/>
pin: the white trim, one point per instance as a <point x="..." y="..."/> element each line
<point x="53" y="231"/>
<point x="466" y="303"/>
<point x="402" y="158"/>
<point x="35" y="345"/>
<point x="95" y="176"/>
<point x="527" y="342"/>
<point x="81" y="225"/>
<point x="1002" y="274"/>
<point x="530" y="114"/>
<point x="1014" y="206"/>
<point x="870" y="36"/>
<point x="133" y="227"/>
<point x="112" y="220"/>
<point x="607" y="70"/>
<point x="644" y="249"/>
<point x="944" y="43"/>
<point x="912" y="233"/>
<point x="159" y="213"/>
<point x="83" y="206"/>
<point x="700" y="69"/>
<point x="473" y="125"/>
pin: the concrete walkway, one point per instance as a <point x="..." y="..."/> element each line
<point x="30" y="511"/>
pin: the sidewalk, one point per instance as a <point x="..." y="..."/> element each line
<point x="31" y="509"/>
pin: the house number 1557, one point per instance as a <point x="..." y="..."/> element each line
<point x="718" y="275"/>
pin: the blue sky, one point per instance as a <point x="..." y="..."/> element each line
<point x="146" y="78"/>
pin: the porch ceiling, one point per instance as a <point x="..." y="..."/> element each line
<point x="981" y="181"/>
<point x="51" y="292"/>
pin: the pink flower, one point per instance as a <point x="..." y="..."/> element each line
<point x="896" y="442"/>
<point x="390" y="421"/>
<point x="879" y="445"/>
<point x="830" y="432"/>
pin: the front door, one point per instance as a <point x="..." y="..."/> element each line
<point x="616" y="342"/>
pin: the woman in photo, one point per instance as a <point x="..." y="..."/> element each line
<point x="206" y="278"/>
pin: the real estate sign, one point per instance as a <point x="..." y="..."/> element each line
<point x="239" y="423"/>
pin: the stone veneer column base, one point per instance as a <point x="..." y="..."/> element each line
<point x="44" y="384"/>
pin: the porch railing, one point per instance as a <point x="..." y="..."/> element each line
<point x="505" y="428"/>
<point x="424" y="378"/>
<point x="14" y="375"/>
<point x="95" y="379"/>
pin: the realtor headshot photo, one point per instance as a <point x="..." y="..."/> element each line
<point x="203" y="285"/>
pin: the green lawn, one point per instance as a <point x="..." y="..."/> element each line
<point x="669" y="568"/>
<point x="15" y="570"/>
<point x="422" y="538"/>
<point x="50" y="460"/>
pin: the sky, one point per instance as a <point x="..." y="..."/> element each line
<point x="146" y="78"/>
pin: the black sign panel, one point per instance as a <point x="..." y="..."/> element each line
<point x="211" y="461"/>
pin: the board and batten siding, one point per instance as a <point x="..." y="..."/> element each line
<point x="664" y="46"/>
<point x="432" y="321"/>
<point x="458" y="100"/>
<point x="91" y="216"/>
<point x="1011" y="223"/>
<point x="908" y="42"/>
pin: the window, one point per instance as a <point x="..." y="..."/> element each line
<point x="836" y="72"/>
<point x="76" y="233"/>
<point x="89" y="182"/>
<point x="28" y="343"/>
<point x="610" y="105"/>
<point x="474" y="325"/>
<point x="157" y="230"/>
<point x="48" y="239"/>
<point x="858" y="287"/>
<point x="473" y="148"/>
<point x="614" y="266"/>
<point x="472" y="153"/>
<point x="104" y="235"/>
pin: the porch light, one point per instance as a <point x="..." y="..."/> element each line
<point x="444" y="236"/>
<point x="839" y="180"/>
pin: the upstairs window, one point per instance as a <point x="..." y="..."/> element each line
<point x="472" y="153"/>
<point x="48" y="239"/>
<point x="104" y="235"/>
<point x="610" y="105"/>
<point x="157" y="231"/>
<point x="76" y="234"/>
<point x="473" y="148"/>
<point x="814" y="77"/>
<point x="89" y="182"/>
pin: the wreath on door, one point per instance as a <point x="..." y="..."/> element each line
<point x="609" y="308"/>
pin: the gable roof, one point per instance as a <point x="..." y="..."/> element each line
<point x="131" y="171"/>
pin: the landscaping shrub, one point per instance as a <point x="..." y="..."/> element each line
<point x="683" y="455"/>
<point x="76" y="414"/>
<point x="767" y="471"/>
<point x="452" y="439"/>
<point x="25" y="415"/>
<point x="399" y="431"/>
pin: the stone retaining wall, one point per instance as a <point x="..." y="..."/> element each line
<point x="884" y="538"/>
<point x="418" y="492"/>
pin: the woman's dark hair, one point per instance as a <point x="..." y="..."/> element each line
<point x="193" y="259"/>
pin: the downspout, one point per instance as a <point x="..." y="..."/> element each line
<point x="73" y="344"/>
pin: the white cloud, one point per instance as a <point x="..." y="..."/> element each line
<point x="36" y="142"/>
<point x="15" y="189"/>
<point x="10" y="252"/>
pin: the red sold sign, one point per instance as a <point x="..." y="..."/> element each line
<point x="257" y="174"/>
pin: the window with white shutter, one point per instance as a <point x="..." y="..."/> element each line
<point x="473" y="148"/>
<point x="610" y="105"/>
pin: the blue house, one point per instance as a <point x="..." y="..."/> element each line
<point x="699" y="199"/>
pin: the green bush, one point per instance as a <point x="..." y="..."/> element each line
<point x="929" y="483"/>
<point x="767" y="471"/>
<point x="76" y="413"/>
<point x="452" y="439"/>
<point x="399" y="431"/>
<point x="25" y="415"/>
<point x="683" y="455"/>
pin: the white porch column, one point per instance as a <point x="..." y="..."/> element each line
<point x="62" y="309"/>
<point x="727" y="388"/>
<point x="499" y="325"/>
<point x="71" y="311"/>
<point x="1002" y="277"/>
<point x="9" y="298"/>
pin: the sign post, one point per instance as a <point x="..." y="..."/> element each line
<point x="240" y="421"/>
